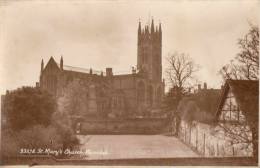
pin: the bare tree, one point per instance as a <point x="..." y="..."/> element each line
<point x="238" y="135"/>
<point x="180" y="73"/>
<point x="244" y="66"/>
<point x="246" y="63"/>
<point x="181" y="70"/>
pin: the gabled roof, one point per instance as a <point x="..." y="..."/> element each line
<point x="246" y="93"/>
<point x="51" y="63"/>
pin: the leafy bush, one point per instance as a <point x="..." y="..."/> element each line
<point x="28" y="106"/>
<point x="35" y="137"/>
<point x="33" y="122"/>
<point x="63" y="124"/>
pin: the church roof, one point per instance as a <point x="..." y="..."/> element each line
<point x="82" y="70"/>
<point x="77" y="69"/>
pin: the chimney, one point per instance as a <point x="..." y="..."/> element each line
<point x="109" y="72"/>
<point x="37" y="84"/>
<point x="199" y="87"/>
<point x="61" y="63"/>
<point x="205" y="86"/>
<point x="133" y="70"/>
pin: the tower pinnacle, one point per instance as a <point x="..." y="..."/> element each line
<point x="61" y="63"/>
<point x="42" y="65"/>
<point x="152" y="27"/>
<point x="139" y="27"/>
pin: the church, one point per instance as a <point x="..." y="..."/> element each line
<point x="98" y="94"/>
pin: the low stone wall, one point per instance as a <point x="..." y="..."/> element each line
<point x="49" y="160"/>
<point x="123" y="126"/>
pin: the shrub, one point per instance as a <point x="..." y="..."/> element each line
<point x="29" y="106"/>
<point x="35" y="137"/>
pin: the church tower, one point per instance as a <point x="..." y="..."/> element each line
<point x="149" y="51"/>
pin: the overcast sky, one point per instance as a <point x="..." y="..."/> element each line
<point x="104" y="34"/>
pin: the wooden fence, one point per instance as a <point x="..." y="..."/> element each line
<point x="198" y="136"/>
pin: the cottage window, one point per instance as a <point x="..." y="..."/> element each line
<point x="222" y="116"/>
<point x="234" y="116"/>
<point x="241" y="117"/>
<point x="231" y="111"/>
<point x="226" y="115"/>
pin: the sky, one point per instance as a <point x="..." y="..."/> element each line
<point x="100" y="34"/>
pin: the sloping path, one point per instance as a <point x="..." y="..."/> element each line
<point x="133" y="146"/>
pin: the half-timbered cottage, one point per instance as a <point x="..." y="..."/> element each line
<point x="237" y="117"/>
<point x="222" y="125"/>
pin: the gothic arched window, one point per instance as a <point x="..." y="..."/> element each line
<point x="140" y="92"/>
<point x="150" y="94"/>
<point x="158" y="95"/>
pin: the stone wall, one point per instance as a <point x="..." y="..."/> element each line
<point x="50" y="160"/>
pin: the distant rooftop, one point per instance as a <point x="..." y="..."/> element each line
<point x="200" y="106"/>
